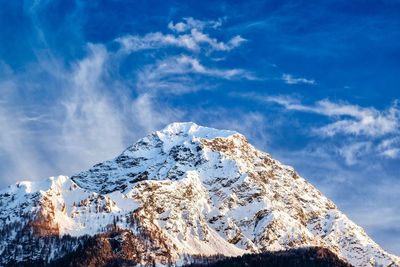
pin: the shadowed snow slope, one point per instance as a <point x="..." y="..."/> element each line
<point x="185" y="190"/>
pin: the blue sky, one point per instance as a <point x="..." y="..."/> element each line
<point x="314" y="84"/>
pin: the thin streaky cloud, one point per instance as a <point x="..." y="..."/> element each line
<point x="190" y="23"/>
<point x="351" y="152"/>
<point x="290" y="79"/>
<point x="348" y="118"/>
<point x="177" y="74"/>
<point x="390" y="147"/>
<point x="188" y="35"/>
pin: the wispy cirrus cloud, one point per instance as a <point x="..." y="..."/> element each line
<point x="190" y="23"/>
<point x="290" y="79"/>
<point x="188" y="34"/>
<point x="352" y="151"/>
<point x="347" y="118"/>
<point x="91" y="122"/>
<point x="178" y="74"/>
<point x="390" y="147"/>
<point x="18" y="148"/>
<point x="362" y="131"/>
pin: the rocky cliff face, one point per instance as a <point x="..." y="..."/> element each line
<point x="184" y="191"/>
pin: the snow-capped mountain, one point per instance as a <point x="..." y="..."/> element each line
<point x="180" y="192"/>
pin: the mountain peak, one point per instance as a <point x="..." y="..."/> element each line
<point x="182" y="191"/>
<point x="194" y="130"/>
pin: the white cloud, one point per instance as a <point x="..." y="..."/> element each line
<point x="18" y="151"/>
<point x="133" y="43"/>
<point x="190" y="23"/>
<point x="391" y="152"/>
<point x="191" y="41"/>
<point x="290" y="79"/>
<point x="192" y="65"/>
<point x="348" y="118"/>
<point x="91" y="126"/>
<point x="178" y="27"/>
<point x="176" y="74"/>
<point x="390" y="147"/>
<point x="188" y="35"/>
<point x="351" y="152"/>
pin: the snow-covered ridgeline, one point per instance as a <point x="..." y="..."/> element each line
<point x="205" y="190"/>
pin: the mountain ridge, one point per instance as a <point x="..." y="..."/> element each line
<point x="188" y="190"/>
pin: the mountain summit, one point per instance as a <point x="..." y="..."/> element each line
<point x="177" y="194"/>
